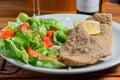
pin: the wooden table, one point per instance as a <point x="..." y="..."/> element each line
<point x="108" y="74"/>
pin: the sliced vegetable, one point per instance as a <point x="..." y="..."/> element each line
<point x="3" y="49"/>
<point x="24" y="54"/>
<point x="46" y="39"/>
<point x="21" y="42"/>
<point x="49" y="63"/>
<point x="53" y="28"/>
<point x="47" y="22"/>
<point x="25" y="27"/>
<point x="53" y="52"/>
<point x="12" y="49"/>
<point x="33" y="60"/>
<point x="34" y="21"/>
<point x="47" y="42"/>
<point x="35" y="25"/>
<point x="24" y="35"/>
<point x="50" y="43"/>
<point x="42" y="31"/>
<point x="34" y="53"/>
<point x="50" y="33"/>
<point x="59" y="38"/>
<point x="6" y="33"/>
<point x="45" y="62"/>
<point x="22" y="17"/>
<point x="43" y="50"/>
<point x="12" y="25"/>
<point x="59" y="25"/>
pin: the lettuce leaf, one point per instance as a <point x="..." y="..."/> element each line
<point x="42" y="31"/>
<point x="59" y="25"/>
<point x="21" y="42"/>
<point x="59" y="37"/>
<point x="49" y="63"/>
<point x="52" y="52"/>
<point x="33" y="60"/>
<point x="24" y="55"/>
<point x="14" y="51"/>
<point x="45" y="62"/>
<point x="3" y="49"/>
<point x="9" y="49"/>
<point x="48" y="23"/>
<point x="12" y="25"/>
<point x="22" y="17"/>
<point x="24" y="35"/>
<point x="42" y="50"/>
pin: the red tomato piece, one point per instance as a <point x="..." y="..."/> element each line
<point x="50" y="44"/>
<point x="47" y="42"/>
<point x="50" y="33"/>
<point x="6" y="33"/>
<point x="31" y="52"/>
<point x="46" y="39"/>
<point x="25" y="27"/>
<point x="34" y="53"/>
<point x="53" y="28"/>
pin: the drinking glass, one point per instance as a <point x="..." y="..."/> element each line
<point x="36" y="7"/>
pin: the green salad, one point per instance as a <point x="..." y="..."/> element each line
<point x="31" y="40"/>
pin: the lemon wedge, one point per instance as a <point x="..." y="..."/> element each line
<point x="91" y="27"/>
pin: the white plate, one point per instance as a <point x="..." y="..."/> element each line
<point x="105" y="63"/>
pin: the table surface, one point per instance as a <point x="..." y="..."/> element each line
<point x="108" y="74"/>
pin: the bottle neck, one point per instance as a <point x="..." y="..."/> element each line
<point x="100" y="6"/>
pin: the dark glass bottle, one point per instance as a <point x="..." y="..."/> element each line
<point x="118" y="1"/>
<point x="89" y="6"/>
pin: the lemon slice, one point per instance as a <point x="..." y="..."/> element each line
<point x="91" y="27"/>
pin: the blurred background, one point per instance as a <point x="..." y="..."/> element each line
<point x="11" y="8"/>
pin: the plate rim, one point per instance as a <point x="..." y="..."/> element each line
<point x="64" y="71"/>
